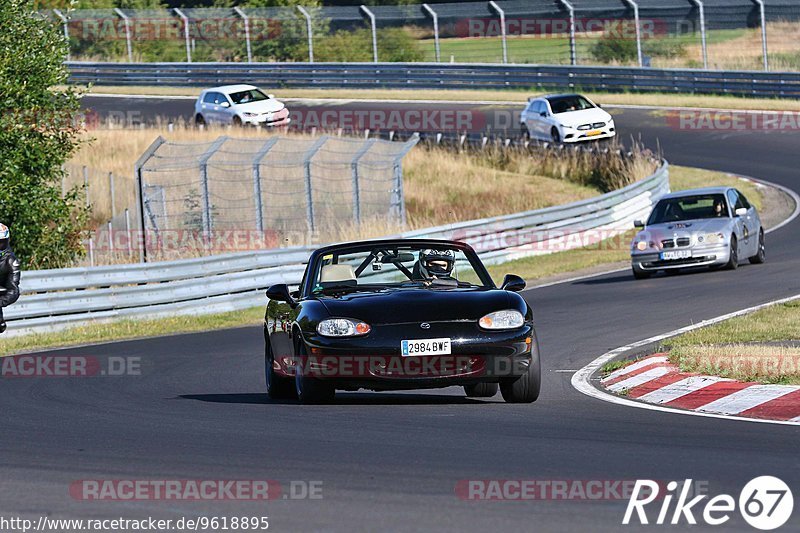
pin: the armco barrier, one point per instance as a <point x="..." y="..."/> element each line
<point x="441" y="76"/>
<point x="54" y="299"/>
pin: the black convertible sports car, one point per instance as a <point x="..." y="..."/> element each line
<point x="400" y="314"/>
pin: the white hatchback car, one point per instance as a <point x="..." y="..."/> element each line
<point x="565" y="118"/>
<point x="239" y="105"/>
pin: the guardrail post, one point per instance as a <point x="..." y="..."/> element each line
<point x="246" y="21"/>
<point x="397" y="167"/>
<point x="185" y="33"/>
<point x="64" y="20"/>
<point x="140" y="199"/>
<point x="307" y="174"/>
<point x="763" y="14"/>
<point x="703" y="43"/>
<point x="635" y="7"/>
<point x="208" y="221"/>
<point x="310" y="33"/>
<point x="371" y="16"/>
<point x="127" y="22"/>
<point x="356" y="185"/>
<point x="257" y="181"/>
<point x="502" y="29"/>
<point x="573" y="55"/>
<point x="435" y="18"/>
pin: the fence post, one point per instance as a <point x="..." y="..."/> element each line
<point x="371" y="16"/>
<point x="246" y="21"/>
<point x="703" y="43"/>
<point x="307" y="174"/>
<point x="257" y="181"/>
<point x="435" y="18"/>
<point x="310" y="33"/>
<point x="635" y="7"/>
<point x="502" y="28"/>
<point x="140" y="200"/>
<point x="112" y="194"/>
<point x="399" y="195"/>
<point x="573" y="55"/>
<point x="185" y="33"/>
<point x="208" y="222"/>
<point x="762" y="11"/>
<point x="63" y="18"/>
<point x="356" y="186"/>
<point x="128" y="42"/>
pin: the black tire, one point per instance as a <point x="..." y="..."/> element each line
<point x="761" y="255"/>
<point x="555" y="136"/>
<point x="524" y="389"/>
<point x="311" y="390"/>
<point x="639" y="273"/>
<point x="733" y="261"/>
<point x="481" y="390"/>
<point x="524" y="132"/>
<point x="199" y="120"/>
<point x="278" y="387"/>
<point x="237" y="122"/>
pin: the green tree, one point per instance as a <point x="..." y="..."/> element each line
<point x="39" y="131"/>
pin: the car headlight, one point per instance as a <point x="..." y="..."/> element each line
<point x="508" y="319"/>
<point x="644" y="245"/>
<point x="342" y="327"/>
<point x="711" y="238"/>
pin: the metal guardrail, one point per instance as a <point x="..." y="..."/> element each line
<point x="53" y="299"/>
<point x="439" y="76"/>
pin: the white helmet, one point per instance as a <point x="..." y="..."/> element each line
<point x="4" y="231"/>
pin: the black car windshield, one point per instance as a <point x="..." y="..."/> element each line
<point x="245" y="97"/>
<point x="397" y="266"/>
<point x="565" y="104"/>
<point x="689" y="208"/>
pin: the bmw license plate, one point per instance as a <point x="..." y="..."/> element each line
<point x="425" y="347"/>
<point x="676" y="254"/>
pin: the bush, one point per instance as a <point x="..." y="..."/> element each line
<point x="394" y="45"/>
<point x="38" y="133"/>
<point x="611" y="48"/>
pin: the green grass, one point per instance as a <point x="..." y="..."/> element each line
<point x="727" y="350"/>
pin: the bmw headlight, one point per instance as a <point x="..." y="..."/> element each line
<point x="643" y="245"/>
<point x="507" y="319"/>
<point x="342" y="327"/>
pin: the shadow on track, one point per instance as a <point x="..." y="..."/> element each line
<point x="344" y="398"/>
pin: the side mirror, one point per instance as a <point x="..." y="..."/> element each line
<point x="742" y="211"/>
<point x="270" y="96"/>
<point x="224" y="104"/>
<point x="543" y="114"/>
<point x="513" y="283"/>
<point x="638" y="224"/>
<point x="598" y="105"/>
<point x="280" y="293"/>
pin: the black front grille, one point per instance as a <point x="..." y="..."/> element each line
<point x="668" y="244"/>
<point x="598" y="124"/>
<point x="684" y="241"/>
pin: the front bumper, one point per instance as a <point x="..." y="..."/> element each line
<point x="717" y="255"/>
<point x="279" y="118"/>
<point x="375" y="361"/>
<point x="570" y="135"/>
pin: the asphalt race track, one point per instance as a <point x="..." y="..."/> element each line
<point x="391" y="461"/>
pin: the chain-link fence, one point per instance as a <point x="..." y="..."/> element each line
<point x="234" y="194"/>
<point x="717" y="34"/>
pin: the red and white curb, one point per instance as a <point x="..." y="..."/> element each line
<point x="655" y="380"/>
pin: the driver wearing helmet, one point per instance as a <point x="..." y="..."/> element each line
<point x="434" y="264"/>
<point x="9" y="274"/>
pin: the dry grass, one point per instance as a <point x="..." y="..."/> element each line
<point x="505" y="96"/>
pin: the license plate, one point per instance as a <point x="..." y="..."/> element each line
<point x="676" y="254"/>
<point x="425" y="347"/>
<point x="593" y="133"/>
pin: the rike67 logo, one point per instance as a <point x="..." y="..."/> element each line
<point x="765" y="503"/>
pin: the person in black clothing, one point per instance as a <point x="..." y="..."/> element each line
<point x="9" y="274"/>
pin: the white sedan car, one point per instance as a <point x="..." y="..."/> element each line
<point x="565" y="118"/>
<point x="239" y="105"/>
